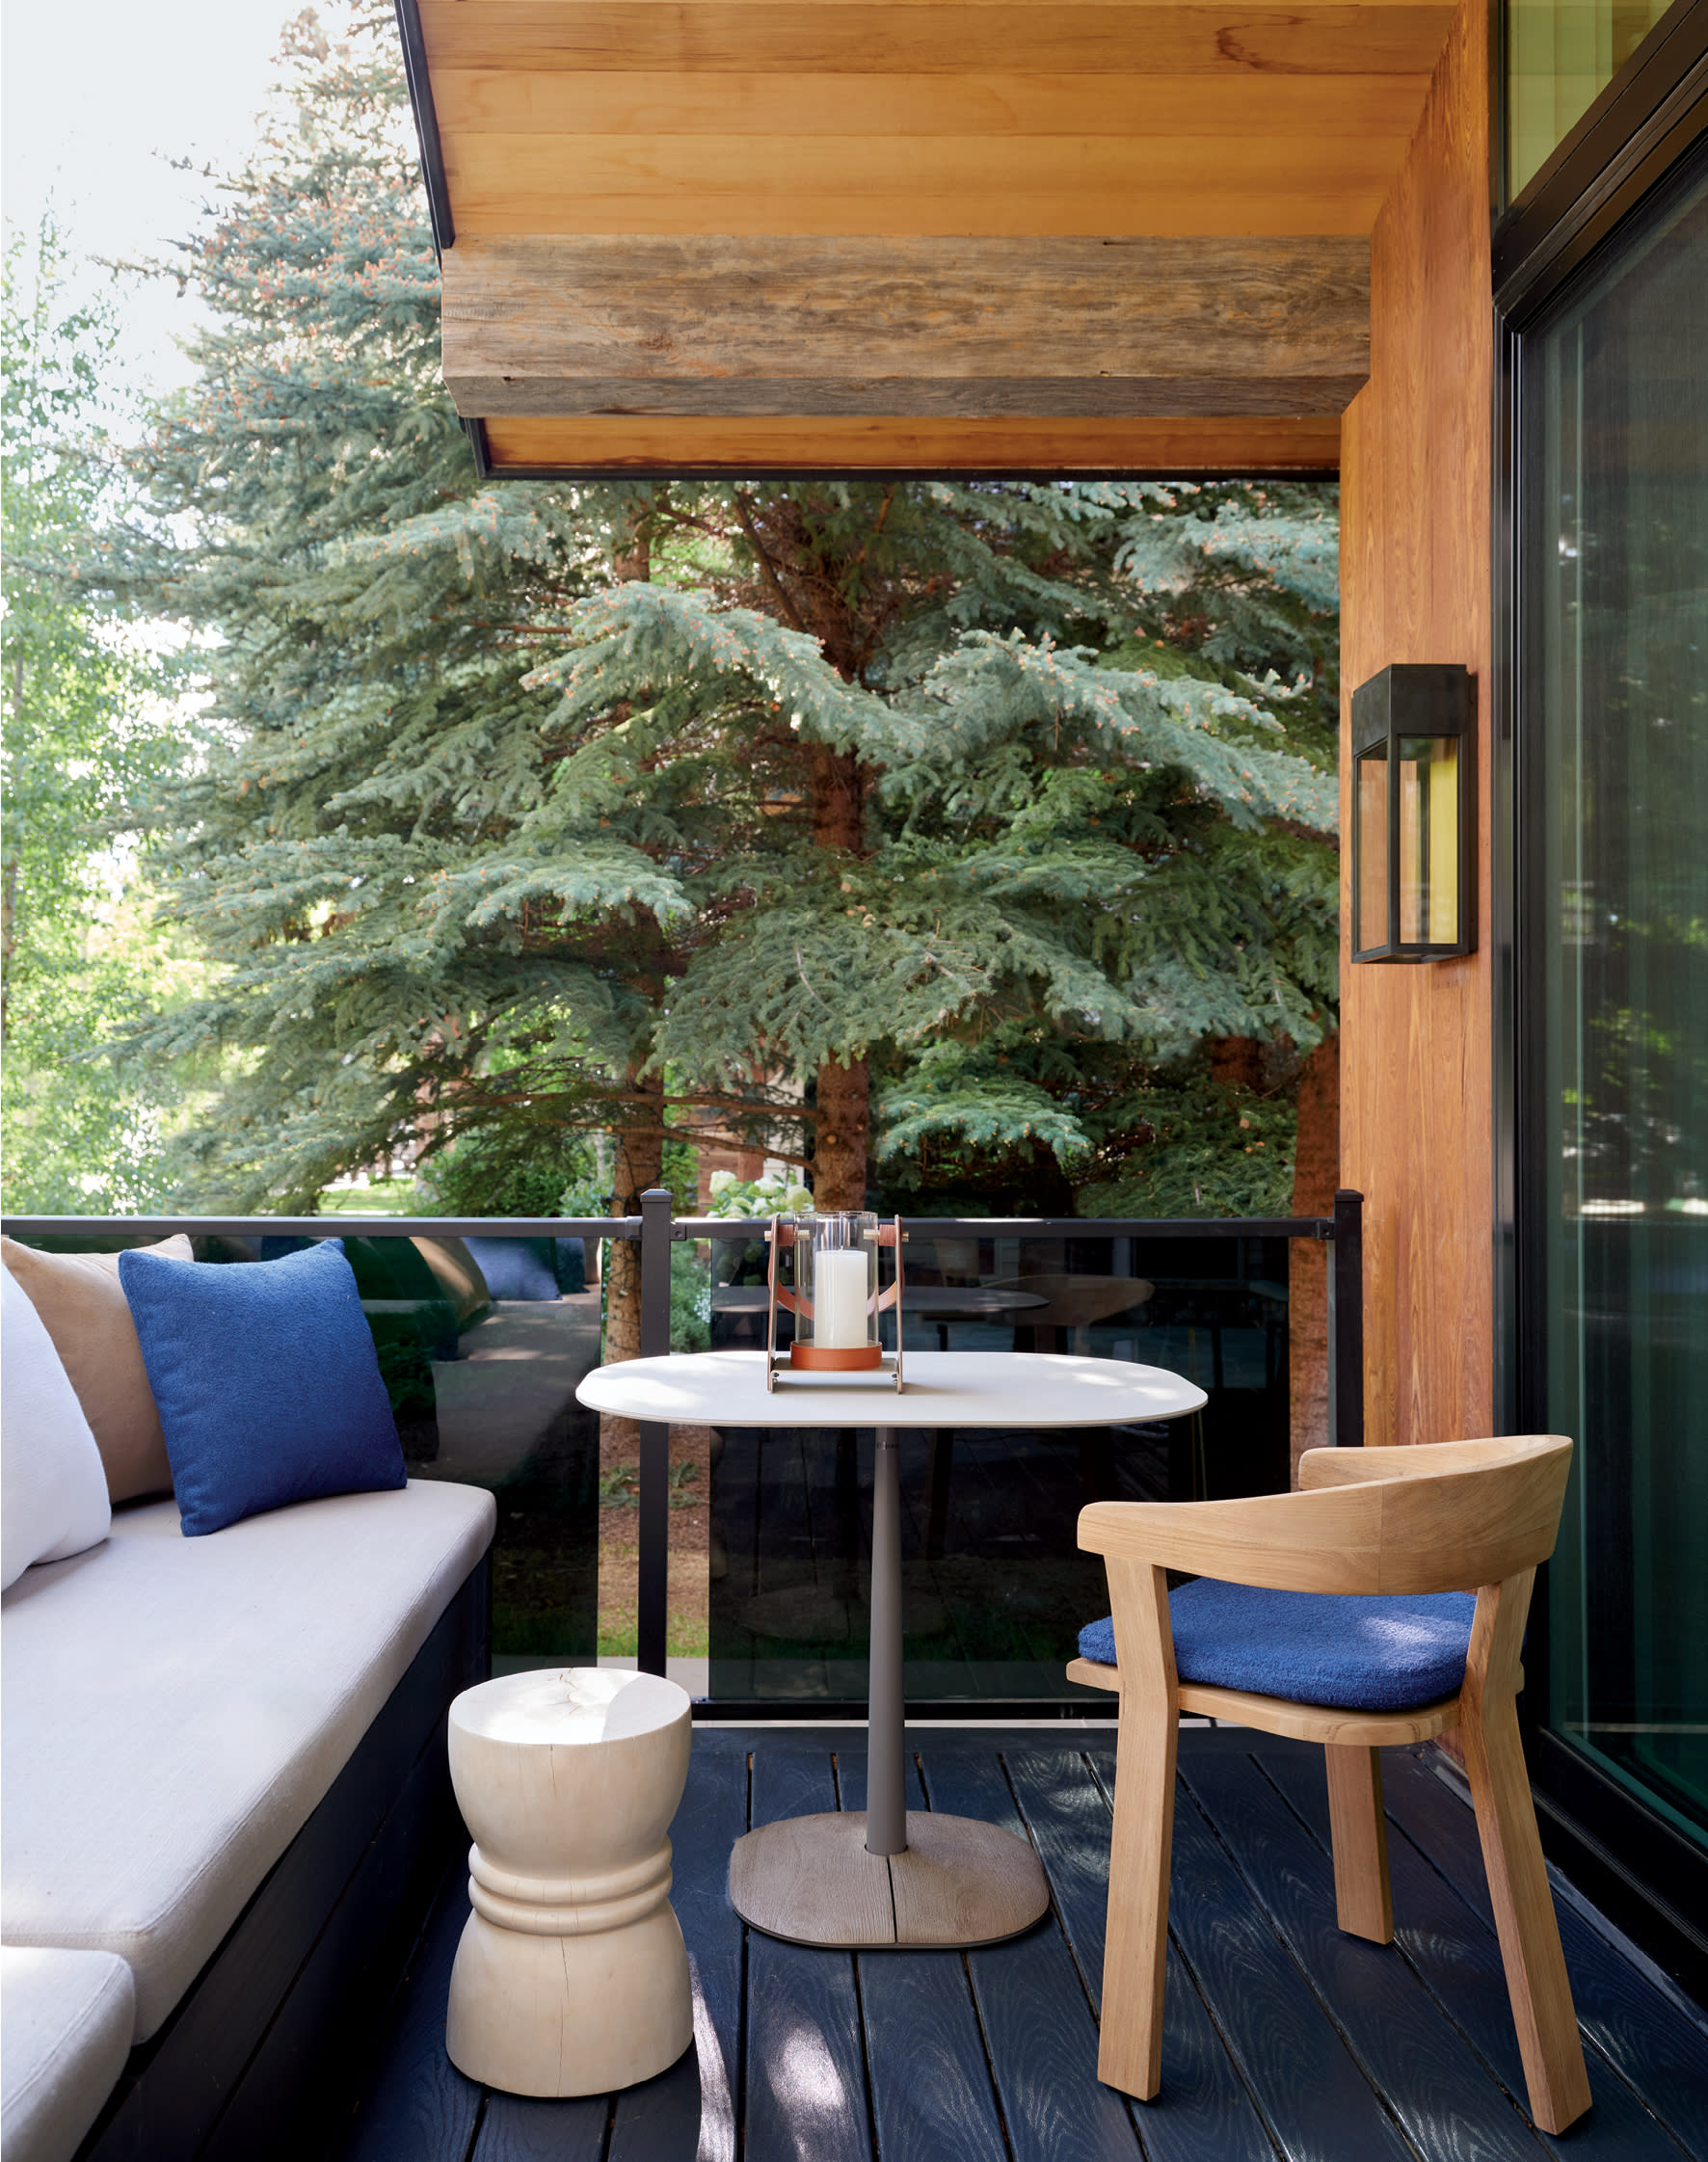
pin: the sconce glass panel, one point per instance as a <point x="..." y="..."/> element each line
<point x="1429" y="840"/>
<point x="1370" y="927"/>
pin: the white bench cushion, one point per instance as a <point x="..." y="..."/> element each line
<point x="66" y="2020"/>
<point x="175" y="1708"/>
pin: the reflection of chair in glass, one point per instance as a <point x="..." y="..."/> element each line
<point x="1051" y="1313"/>
<point x="1350" y="1672"/>
<point x="1071" y="1304"/>
<point x="957" y="1260"/>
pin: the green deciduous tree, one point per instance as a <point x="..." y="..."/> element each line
<point x="89" y="728"/>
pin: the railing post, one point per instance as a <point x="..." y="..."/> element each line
<point x="652" y="1585"/>
<point x="1346" y="1323"/>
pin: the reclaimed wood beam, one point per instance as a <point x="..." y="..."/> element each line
<point x="717" y="326"/>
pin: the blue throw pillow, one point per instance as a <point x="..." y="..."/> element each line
<point x="267" y="1381"/>
<point x="516" y="1267"/>
<point x="1338" y="1649"/>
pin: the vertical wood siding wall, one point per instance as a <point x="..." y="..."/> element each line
<point x="1416" y="1079"/>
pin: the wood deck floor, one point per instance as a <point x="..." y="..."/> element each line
<point x="1284" y="2038"/>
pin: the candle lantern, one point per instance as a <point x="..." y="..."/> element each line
<point x="824" y="1269"/>
<point x="1414" y="813"/>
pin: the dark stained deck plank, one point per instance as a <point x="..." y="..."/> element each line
<point x="689" y="2111"/>
<point x="1438" y="2088"/>
<point x="514" y="2128"/>
<point x="1635" y="2025"/>
<point x="932" y="2096"/>
<point x="850" y="1768"/>
<point x="1038" y="2027"/>
<point x="659" y="2121"/>
<point x="1318" y="2102"/>
<point x="804" y="2075"/>
<point x="418" y="2107"/>
<point x="1458" y="1960"/>
<point x="1204" y="2108"/>
<point x="931" y="2091"/>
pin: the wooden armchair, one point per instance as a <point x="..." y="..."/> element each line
<point x="1462" y="1515"/>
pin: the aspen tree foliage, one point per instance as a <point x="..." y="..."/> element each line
<point x="89" y="725"/>
<point x="902" y="825"/>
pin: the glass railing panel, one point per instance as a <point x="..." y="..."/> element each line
<point x="483" y="1389"/>
<point x="483" y="1332"/>
<point x="996" y="1587"/>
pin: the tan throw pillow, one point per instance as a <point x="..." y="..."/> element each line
<point x="83" y="1307"/>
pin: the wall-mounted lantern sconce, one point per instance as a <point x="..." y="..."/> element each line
<point x="1414" y="813"/>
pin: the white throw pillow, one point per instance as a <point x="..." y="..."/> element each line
<point x="53" y="1489"/>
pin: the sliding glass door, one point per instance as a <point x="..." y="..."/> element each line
<point x="1612" y="957"/>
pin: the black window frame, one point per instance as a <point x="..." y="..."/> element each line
<point x="1640" y="136"/>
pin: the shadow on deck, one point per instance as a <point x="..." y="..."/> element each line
<point x="1284" y="2038"/>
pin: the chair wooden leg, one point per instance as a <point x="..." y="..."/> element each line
<point x="1363" y="1905"/>
<point x="1135" y="1944"/>
<point x="1524" y="1915"/>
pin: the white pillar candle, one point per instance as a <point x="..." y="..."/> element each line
<point x="838" y="1300"/>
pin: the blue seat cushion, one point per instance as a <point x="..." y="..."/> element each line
<point x="1313" y="1648"/>
<point x="266" y="1379"/>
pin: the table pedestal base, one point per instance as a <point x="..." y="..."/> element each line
<point x="957" y="1882"/>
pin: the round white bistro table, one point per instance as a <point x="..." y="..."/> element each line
<point x="572" y="1976"/>
<point x="886" y="1876"/>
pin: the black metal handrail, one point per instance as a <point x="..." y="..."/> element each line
<point x="657" y="1227"/>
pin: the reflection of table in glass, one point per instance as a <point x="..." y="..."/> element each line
<point x="888" y="1876"/>
<point x="937" y="1303"/>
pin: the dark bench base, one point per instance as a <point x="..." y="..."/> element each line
<point x="263" y="2056"/>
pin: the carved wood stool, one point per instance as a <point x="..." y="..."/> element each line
<point x="572" y="1976"/>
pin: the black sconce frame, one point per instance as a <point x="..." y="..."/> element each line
<point x="1415" y="699"/>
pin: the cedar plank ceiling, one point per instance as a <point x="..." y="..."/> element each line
<point x="911" y="235"/>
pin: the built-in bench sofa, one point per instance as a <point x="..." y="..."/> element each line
<point x="224" y="1786"/>
<point x="226" y="1809"/>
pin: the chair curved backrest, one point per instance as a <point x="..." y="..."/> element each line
<point x="1441" y="1516"/>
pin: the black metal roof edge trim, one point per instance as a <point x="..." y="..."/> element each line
<point x="432" y="174"/>
<point x="476" y="432"/>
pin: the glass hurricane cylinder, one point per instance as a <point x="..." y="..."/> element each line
<point x="835" y="1281"/>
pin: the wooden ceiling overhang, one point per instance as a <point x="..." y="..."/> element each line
<point x="899" y="236"/>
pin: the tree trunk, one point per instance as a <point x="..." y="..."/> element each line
<point x="640" y="1163"/>
<point x="1316" y="1174"/>
<point x="839" y="1144"/>
<point x="842" y="1136"/>
<point x="631" y="545"/>
<point x="640" y="1156"/>
<point x="1237" y="1061"/>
